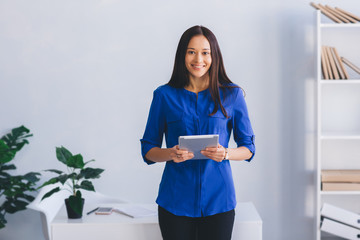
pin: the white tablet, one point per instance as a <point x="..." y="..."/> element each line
<point x="196" y="143"/>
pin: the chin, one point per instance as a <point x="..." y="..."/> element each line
<point x="197" y="75"/>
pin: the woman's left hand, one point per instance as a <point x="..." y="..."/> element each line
<point x="215" y="153"/>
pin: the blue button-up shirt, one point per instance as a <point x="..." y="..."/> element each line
<point x="196" y="188"/>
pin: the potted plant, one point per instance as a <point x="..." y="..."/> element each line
<point x="14" y="189"/>
<point x="76" y="178"/>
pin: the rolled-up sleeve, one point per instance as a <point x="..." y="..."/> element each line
<point x="243" y="132"/>
<point x="155" y="126"/>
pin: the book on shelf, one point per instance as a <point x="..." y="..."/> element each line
<point x="340" y="175"/>
<point x="340" y="186"/>
<point x="337" y="63"/>
<point x="324" y="64"/>
<point x="336" y="14"/>
<point x="351" y="65"/>
<point x="332" y="64"/>
<point x="348" y="13"/>
<point x="339" y="229"/>
<point x="342" y="67"/>
<point x="340" y="215"/>
<point x="350" y="19"/>
<point x="325" y="12"/>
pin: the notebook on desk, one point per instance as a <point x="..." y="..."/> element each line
<point x="135" y="211"/>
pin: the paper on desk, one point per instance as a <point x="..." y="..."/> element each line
<point x="135" y="211"/>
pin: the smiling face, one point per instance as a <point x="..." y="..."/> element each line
<point x="198" y="57"/>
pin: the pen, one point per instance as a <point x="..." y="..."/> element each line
<point x="92" y="210"/>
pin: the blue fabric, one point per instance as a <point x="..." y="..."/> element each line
<point x="196" y="188"/>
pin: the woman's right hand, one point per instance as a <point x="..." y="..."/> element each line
<point x="178" y="155"/>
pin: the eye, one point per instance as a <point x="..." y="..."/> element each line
<point x="206" y="53"/>
<point x="191" y="52"/>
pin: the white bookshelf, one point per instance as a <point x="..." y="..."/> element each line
<point x="339" y="136"/>
<point x="329" y="193"/>
<point x="349" y="81"/>
<point x="339" y="25"/>
<point x="338" y="116"/>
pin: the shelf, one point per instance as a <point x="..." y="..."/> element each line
<point x="340" y="193"/>
<point x="339" y="136"/>
<point x="337" y="116"/>
<point x="345" y="81"/>
<point x="340" y="25"/>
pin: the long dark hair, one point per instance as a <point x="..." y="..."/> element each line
<point x="217" y="75"/>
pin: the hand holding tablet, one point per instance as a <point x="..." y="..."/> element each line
<point x="197" y="143"/>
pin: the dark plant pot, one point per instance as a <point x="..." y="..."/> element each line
<point x="70" y="212"/>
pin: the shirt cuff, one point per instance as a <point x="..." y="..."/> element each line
<point x="146" y="145"/>
<point x="249" y="143"/>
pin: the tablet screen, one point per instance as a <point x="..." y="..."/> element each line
<point x="196" y="143"/>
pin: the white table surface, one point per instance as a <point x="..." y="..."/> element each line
<point x="248" y="225"/>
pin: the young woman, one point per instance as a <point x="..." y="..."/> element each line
<point x="197" y="197"/>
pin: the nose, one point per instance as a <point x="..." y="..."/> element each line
<point x="198" y="57"/>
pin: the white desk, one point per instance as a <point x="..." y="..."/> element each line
<point x="248" y="225"/>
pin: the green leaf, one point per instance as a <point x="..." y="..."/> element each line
<point x="64" y="177"/>
<point x="13" y="205"/>
<point x="8" y="207"/>
<point x="3" y="146"/>
<point x="20" y="145"/>
<point x="7" y="167"/>
<point x="32" y="177"/>
<point x="63" y="155"/>
<point x="6" y="154"/>
<point x="91" y="173"/>
<point x="16" y="139"/>
<point x="19" y="205"/>
<point x="86" y="185"/>
<point x="48" y="194"/>
<point x="27" y="197"/>
<point x="16" y="132"/>
<point x="54" y="171"/>
<point x="13" y="188"/>
<point x="78" y="194"/>
<point x="5" y="174"/>
<point x="92" y="160"/>
<point x="26" y="136"/>
<point x="2" y="219"/>
<point x="76" y="161"/>
<point x="2" y="224"/>
<point x="49" y="182"/>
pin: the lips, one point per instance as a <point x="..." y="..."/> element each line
<point x="197" y="66"/>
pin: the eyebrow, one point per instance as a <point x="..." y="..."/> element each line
<point x="203" y="48"/>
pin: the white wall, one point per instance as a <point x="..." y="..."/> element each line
<point x="81" y="74"/>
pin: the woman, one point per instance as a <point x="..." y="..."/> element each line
<point x="197" y="197"/>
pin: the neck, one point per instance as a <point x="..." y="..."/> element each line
<point x="198" y="84"/>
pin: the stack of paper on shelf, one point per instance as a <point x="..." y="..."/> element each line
<point x="336" y="14"/>
<point x="340" y="222"/>
<point x="340" y="180"/>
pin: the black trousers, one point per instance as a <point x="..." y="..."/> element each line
<point x="215" y="227"/>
